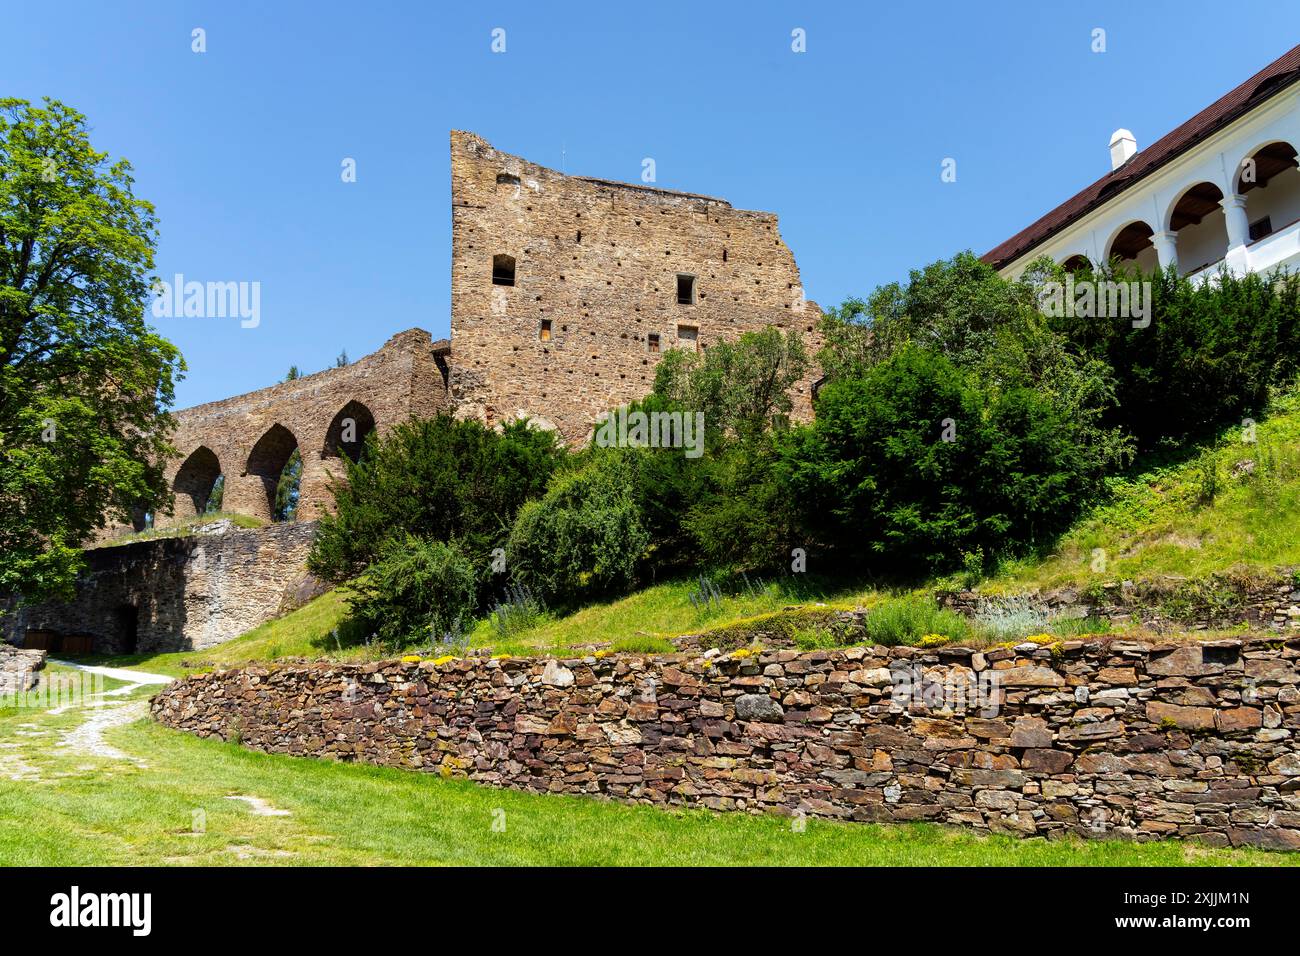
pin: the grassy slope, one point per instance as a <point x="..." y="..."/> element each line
<point x="95" y="811"/>
<point x="661" y="611"/>
<point x="1165" y="523"/>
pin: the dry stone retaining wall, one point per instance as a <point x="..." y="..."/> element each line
<point x="1098" y="738"/>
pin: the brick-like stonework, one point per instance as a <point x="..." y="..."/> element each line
<point x="249" y="438"/>
<point x="598" y="261"/>
<point x="1099" y="738"/>
<point x="18" y="669"/>
<point x="184" y="593"/>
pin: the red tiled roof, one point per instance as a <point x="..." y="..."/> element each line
<point x="1268" y="82"/>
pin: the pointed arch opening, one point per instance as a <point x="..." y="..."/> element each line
<point x="277" y="463"/>
<point x="196" y="480"/>
<point x="346" y="437"/>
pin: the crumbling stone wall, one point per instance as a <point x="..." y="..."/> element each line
<point x="1097" y="738"/>
<point x="248" y="438"/>
<point x="18" y="669"/>
<point x="595" y="278"/>
<point x="175" y="594"/>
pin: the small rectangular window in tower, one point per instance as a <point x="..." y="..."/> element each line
<point x="687" y="335"/>
<point x="652" y="341"/>
<point x="503" y="270"/>
<point x="544" y="333"/>
<point x="685" y="289"/>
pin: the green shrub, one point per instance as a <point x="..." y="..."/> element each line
<point x="436" y="479"/>
<point x="584" y="537"/>
<point x="905" y="620"/>
<point x="1209" y="355"/>
<point x="419" y="590"/>
<point x="913" y="465"/>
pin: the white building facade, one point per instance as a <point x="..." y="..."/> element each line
<point x="1223" y="189"/>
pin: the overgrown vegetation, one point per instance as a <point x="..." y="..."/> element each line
<point x="961" y="427"/>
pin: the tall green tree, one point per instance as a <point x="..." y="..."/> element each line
<point x="85" y="384"/>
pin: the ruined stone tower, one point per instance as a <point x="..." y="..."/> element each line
<point x="566" y="290"/>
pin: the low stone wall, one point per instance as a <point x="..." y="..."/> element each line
<point x="18" y="669"/>
<point x="174" y="594"/>
<point x="1099" y="738"/>
<point x="1164" y="604"/>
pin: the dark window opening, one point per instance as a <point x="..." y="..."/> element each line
<point x="1261" y="228"/>
<point x="685" y="290"/>
<point x="687" y="335"/>
<point x="579" y="237"/>
<point x="503" y="270"/>
<point x="506" y="179"/>
<point x="544" y="333"/>
<point x="724" y="254"/>
<point x="652" y="340"/>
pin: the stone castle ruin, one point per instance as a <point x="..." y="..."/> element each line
<point x="566" y="291"/>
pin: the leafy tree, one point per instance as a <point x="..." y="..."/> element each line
<point x="742" y="387"/>
<point x="437" y="479"/>
<point x="216" y="496"/>
<point x="287" y="489"/>
<point x="84" y="382"/>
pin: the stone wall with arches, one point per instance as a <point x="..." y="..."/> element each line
<point x="246" y="440"/>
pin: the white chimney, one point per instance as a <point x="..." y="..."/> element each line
<point x="1122" y="148"/>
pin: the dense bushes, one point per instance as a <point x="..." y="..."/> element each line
<point x="913" y="464"/>
<point x="585" y="536"/>
<point x="419" y="515"/>
<point x="1208" y="356"/>
<point x="437" y="479"/>
<point x="960" y="421"/>
<point x="416" y="590"/>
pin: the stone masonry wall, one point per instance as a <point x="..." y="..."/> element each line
<point x="1098" y="738"/>
<point x="596" y="266"/>
<point x="248" y="438"/>
<point x="184" y="593"/>
<point x="18" y="669"/>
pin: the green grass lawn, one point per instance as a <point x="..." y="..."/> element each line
<point x="74" y="809"/>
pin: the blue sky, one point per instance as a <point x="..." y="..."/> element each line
<point x="240" y="148"/>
